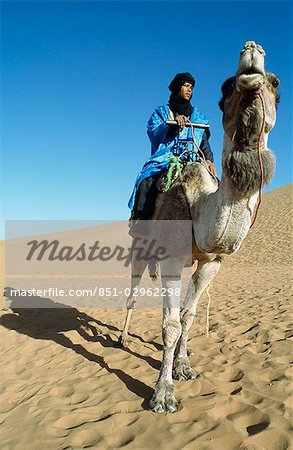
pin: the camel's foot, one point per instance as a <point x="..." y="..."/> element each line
<point x="190" y="352"/>
<point x="163" y="399"/>
<point x="123" y="340"/>
<point x="182" y="370"/>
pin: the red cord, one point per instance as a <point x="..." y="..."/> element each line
<point x="258" y="94"/>
<point x="200" y="151"/>
<point x="260" y="161"/>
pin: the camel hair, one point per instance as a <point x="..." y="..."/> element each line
<point x="220" y="214"/>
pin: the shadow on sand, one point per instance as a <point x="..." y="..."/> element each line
<point x="48" y="320"/>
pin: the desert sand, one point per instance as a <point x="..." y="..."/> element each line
<point x="65" y="385"/>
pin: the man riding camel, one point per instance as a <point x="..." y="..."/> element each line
<point x="165" y="142"/>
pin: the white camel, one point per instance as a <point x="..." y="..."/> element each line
<point x="221" y="214"/>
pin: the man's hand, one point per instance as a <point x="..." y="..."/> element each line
<point x="181" y="120"/>
<point x="211" y="168"/>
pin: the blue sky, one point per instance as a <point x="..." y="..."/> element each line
<point x="81" y="79"/>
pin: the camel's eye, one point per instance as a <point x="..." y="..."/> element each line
<point x="276" y="82"/>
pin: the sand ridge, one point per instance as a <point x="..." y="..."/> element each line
<point x="65" y="385"/>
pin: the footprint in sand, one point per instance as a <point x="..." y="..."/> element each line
<point x="249" y="421"/>
<point x="69" y="421"/>
<point x="203" y="387"/>
<point x="57" y="432"/>
<point x="227" y="408"/>
<point x="228" y="349"/>
<point x="86" y="438"/>
<point x="62" y="391"/>
<point x="252" y="397"/>
<point x="241" y="343"/>
<point x="78" y="398"/>
<point x="243" y="329"/>
<point x="117" y="441"/>
<point x="236" y="390"/>
<point x="258" y="348"/>
<point x="7" y="403"/>
<point x="267" y="440"/>
<point x="289" y="406"/>
<point x="263" y="338"/>
<point x="231" y="374"/>
<point x="46" y="402"/>
<point x="271" y="376"/>
<point x="125" y="419"/>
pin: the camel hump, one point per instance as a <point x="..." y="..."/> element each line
<point x="174" y="204"/>
<point x="190" y="171"/>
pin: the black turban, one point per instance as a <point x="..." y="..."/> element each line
<point x="179" y="80"/>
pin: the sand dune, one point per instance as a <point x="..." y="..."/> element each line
<point x="64" y="384"/>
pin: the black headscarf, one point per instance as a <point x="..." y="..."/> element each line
<point x="179" y="105"/>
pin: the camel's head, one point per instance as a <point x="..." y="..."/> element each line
<point x="249" y="105"/>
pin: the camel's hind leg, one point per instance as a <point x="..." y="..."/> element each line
<point x="205" y="272"/>
<point x="137" y="269"/>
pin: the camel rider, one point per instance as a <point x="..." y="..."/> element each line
<point x="163" y="140"/>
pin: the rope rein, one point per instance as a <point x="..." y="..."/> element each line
<point x="197" y="147"/>
<point x="174" y="165"/>
<point x="201" y="152"/>
<point x="258" y="95"/>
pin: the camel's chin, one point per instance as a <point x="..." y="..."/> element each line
<point x="251" y="81"/>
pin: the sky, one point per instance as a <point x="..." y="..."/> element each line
<point x="80" y="80"/>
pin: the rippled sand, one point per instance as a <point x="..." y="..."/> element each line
<point x="64" y="384"/>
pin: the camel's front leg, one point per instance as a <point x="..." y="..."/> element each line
<point x="163" y="398"/>
<point x="198" y="283"/>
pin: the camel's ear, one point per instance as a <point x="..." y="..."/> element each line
<point x="227" y="88"/>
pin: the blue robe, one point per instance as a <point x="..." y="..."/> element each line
<point x="162" y="146"/>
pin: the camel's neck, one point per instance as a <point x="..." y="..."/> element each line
<point x="223" y="218"/>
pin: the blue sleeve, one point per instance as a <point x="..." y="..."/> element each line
<point x="156" y="128"/>
<point x="205" y="146"/>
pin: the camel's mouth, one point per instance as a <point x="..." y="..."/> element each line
<point x="250" y="80"/>
<point x="251" y="71"/>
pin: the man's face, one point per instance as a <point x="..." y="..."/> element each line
<point x="186" y="91"/>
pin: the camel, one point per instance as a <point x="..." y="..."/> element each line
<point x="221" y="214"/>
